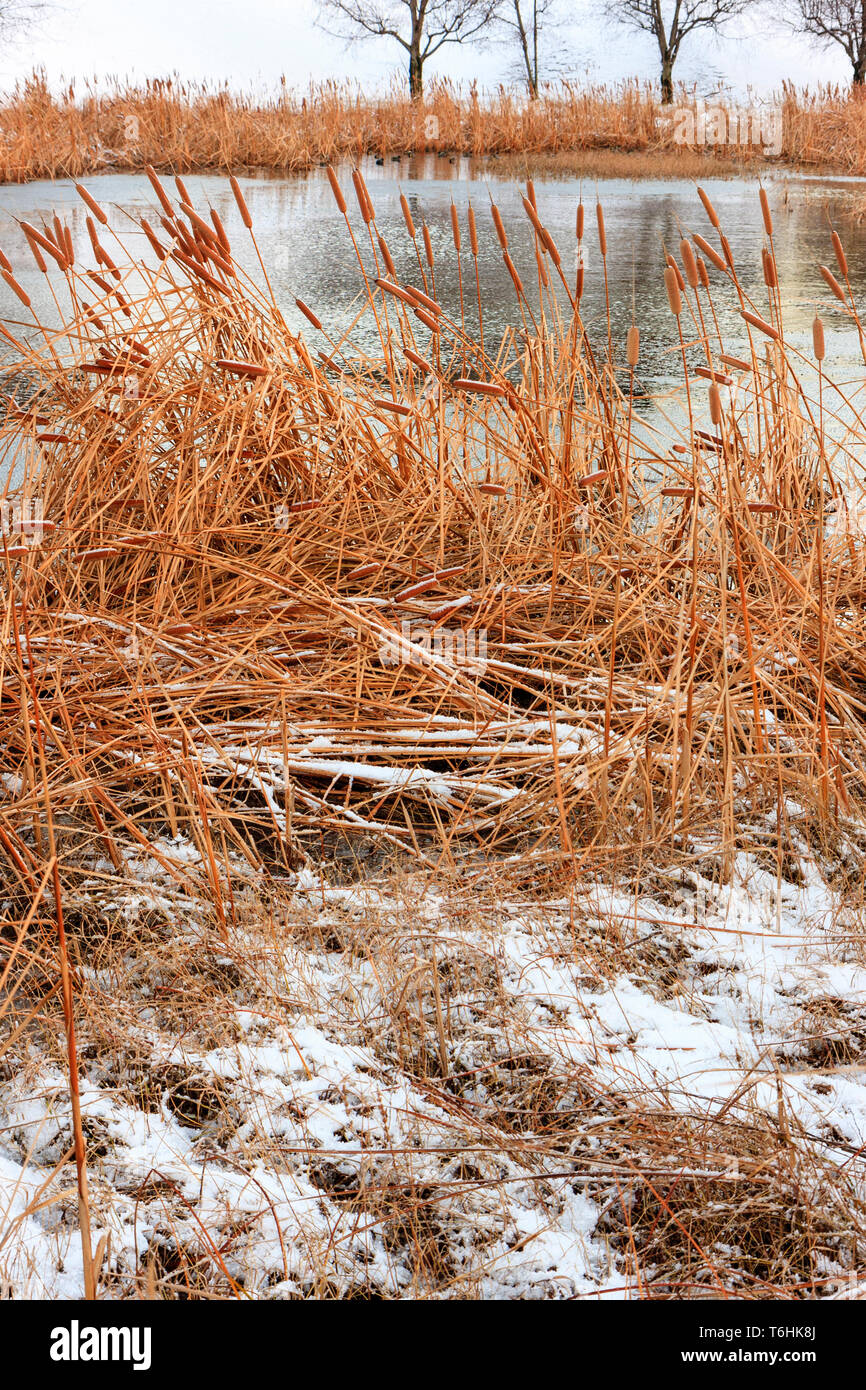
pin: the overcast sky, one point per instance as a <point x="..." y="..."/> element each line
<point x="254" y="42"/>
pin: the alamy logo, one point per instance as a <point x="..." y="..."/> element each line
<point x="728" y="126"/>
<point x="466" y="648"/>
<point x="76" y="1343"/>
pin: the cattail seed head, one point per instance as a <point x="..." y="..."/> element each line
<point x="765" y="212"/>
<point x="715" y="404"/>
<point x="689" y="262"/>
<point x="673" y="290"/>
<point x="241" y="202"/>
<point x="632" y="346"/>
<point x="770" y="277"/>
<point x="364" y="204"/>
<point x="841" y="259"/>
<point x="336" y="190"/>
<point x="580" y="221"/>
<point x="428" y="245"/>
<point x="818" y="344"/>
<point x="833" y="283"/>
<point x="386" y="257"/>
<point x="709" y="209"/>
<point x="473" y="232"/>
<point x="602" y="235"/>
<point x="455" y="228"/>
<point x="530" y="193"/>
<point x="500" y="230"/>
<point x="407" y="216"/>
<point x="672" y="265"/>
<point x="703" y="273"/>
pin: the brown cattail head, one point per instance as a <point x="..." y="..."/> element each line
<point x="336" y="190"/>
<point x="36" y="253"/>
<point x="841" y="259"/>
<point x="518" y="284"/>
<point x="703" y="273"/>
<point x="182" y="190"/>
<point x="711" y="255"/>
<point x="473" y="231"/>
<point x="92" y="203"/>
<point x="364" y="203"/>
<point x="386" y="257"/>
<point x="689" y="262"/>
<point x="407" y="216"/>
<point x="833" y="283"/>
<point x="428" y="244"/>
<point x="241" y="202"/>
<point x="455" y="228"/>
<point x="578" y="289"/>
<point x="602" y="235"/>
<point x="715" y="404"/>
<point x="632" y="346"/>
<point x="222" y="236"/>
<point x="500" y="230"/>
<point x="765" y="212"/>
<point x="5" y="262"/>
<point x="16" y="288"/>
<point x="156" y="184"/>
<point x="770" y="277"/>
<point x="709" y="209"/>
<point x="673" y="289"/>
<point x="580" y="221"/>
<point x="672" y="265"/>
<point x="818" y="344"/>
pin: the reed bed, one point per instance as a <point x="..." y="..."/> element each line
<point x="180" y="127"/>
<point x="219" y="629"/>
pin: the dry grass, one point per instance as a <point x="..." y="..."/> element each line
<point x="199" y="650"/>
<point x="601" y="131"/>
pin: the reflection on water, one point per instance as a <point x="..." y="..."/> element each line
<point x="306" y="247"/>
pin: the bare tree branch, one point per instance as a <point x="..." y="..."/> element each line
<point x="671" y="21"/>
<point x="420" y="27"/>
<point x="836" y="21"/>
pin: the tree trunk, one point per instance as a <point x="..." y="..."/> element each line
<point x="416" y="73"/>
<point x="860" y="69"/>
<point x="667" y="80"/>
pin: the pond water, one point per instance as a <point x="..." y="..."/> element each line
<point x="308" y="253"/>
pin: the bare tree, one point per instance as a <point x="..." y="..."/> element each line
<point x="671" y="21"/>
<point x="420" y="27"/>
<point x="837" y="21"/>
<point x="525" y="19"/>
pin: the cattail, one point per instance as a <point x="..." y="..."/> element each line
<point x="703" y="273"/>
<point x="715" y="404"/>
<point x="673" y="289"/>
<point x="407" y="216"/>
<point x="364" y="201"/>
<point x="709" y="209"/>
<point x="241" y="202"/>
<point x="428" y="245"/>
<point x="182" y="189"/>
<point x="386" y="257"/>
<point x="5" y="262"/>
<point x="689" y="262"/>
<point x="164" y="200"/>
<point x="420" y="362"/>
<point x="530" y="193"/>
<point x="336" y="190"/>
<point x="761" y="325"/>
<point x="580" y="222"/>
<point x="455" y="229"/>
<point x="710" y="254"/>
<point x="542" y="270"/>
<point x="473" y="232"/>
<point x="818" y="344"/>
<point x="770" y="277"/>
<point x="518" y="283"/>
<point x="581" y="276"/>
<point x="37" y="255"/>
<point x="602" y="236"/>
<point x="500" y="230"/>
<point x="220" y="231"/>
<point x="840" y="255"/>
<point x="533" y="216"/>
<point x="833" y="283"/>
<point x="92" y="203"/>
<point x="632" y="346"/>
<point x="309" y="315"/>
<point x="672" y="265"/>
<point x="726" y="248"/>
<point x="765" y="212"/>
<point x="16" y="288"/>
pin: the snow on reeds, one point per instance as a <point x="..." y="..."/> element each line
<point x="218" y="633"/>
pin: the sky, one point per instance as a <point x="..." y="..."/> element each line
<point x="252" y="43"/>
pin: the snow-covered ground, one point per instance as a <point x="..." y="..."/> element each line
<point x="485" y="1086"/>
